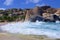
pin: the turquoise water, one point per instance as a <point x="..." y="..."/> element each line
<point x="34" y="28"/>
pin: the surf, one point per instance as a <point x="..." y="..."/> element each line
<point x="34" y="28"/>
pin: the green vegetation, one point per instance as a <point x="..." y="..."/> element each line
<point x="11" y="15"/>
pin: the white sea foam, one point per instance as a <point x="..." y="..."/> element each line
<point x="57" y="21"/>
<point x="35" y="28"/>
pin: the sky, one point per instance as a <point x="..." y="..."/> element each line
<point x="6" y="4"/>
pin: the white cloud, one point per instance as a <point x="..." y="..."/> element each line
<point x="40" y="4"/>
<point x="32" y="1"/>
<point x="2" y="8"/>
<point x="8" y="2"/>
<point x="35" y="1"/>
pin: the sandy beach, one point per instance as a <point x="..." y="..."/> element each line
<point x="4" y="23"/>
<point x="6" y="36"/>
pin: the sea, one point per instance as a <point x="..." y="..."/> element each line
<point x="50" y="29"/>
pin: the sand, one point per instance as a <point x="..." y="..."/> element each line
<point x="7" y="36"/>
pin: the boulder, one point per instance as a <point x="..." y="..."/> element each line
<point x="56" y="17"/>
<point x="36" y="18"/>
<point x="45" y="7"/>
<point x="57" y="14"/>
<point x="51" y="10"/>
<point x="48" y="17"/>
<point x="48" y="20"/>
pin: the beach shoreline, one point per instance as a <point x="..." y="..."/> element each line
<point x="18" y="36"/>
<point x="7" y="36"/>
<point x="4" y="23"/>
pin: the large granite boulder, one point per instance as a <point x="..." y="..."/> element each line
<point x="37" y="11"/>
<point x="51" y="10"/>
<point x="34" y="19"/>
<point x="45" y="13"/>
<point x="57" y="15"/>
<point x="48" y="17"/>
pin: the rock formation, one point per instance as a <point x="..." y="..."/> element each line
<point x="27" y="16"/>
<point x="57" y="13"/>
<point x="43" y="13"/>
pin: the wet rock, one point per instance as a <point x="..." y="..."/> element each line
<point x="56" y="17"/>
<point x="48" y="20"/>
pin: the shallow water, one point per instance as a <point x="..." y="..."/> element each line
<point x="35" y="28"/>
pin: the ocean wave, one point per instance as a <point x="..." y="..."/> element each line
<point x="35" y="28"/>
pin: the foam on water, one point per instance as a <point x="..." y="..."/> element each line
<point x="35" y="28"/>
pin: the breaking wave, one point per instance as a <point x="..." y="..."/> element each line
<point x="34" y="28"/>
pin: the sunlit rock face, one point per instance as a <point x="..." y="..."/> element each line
<point x="27" y="15"/>
<point x="48" y="16"/>
<point x="35" y="10"/>
<point x="44" y="13"/>
<point x="34" y="14"/>
<point x="51" y="10"/>
<point x="37" y="14"/>
<point x="57" y="13"/>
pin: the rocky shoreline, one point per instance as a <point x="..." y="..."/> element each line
<point x="43" y="13"/>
